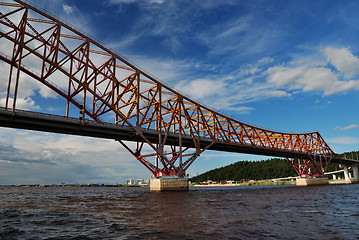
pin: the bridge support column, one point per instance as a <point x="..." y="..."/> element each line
<point x="348" y="176"/>
<point x="169" y="184"/>
<point x="310" y="171"/>
<point x="356" y="173"/>
<point x="312" y="181"/>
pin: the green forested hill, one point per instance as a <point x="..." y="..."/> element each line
<point x="258" y="170"/>
<point x="249" y="170"/>
<point x="350" y="155"/>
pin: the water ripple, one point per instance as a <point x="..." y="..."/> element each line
<point x="329" y="212"/>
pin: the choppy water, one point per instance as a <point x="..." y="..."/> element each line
<point x="281" y="212"/>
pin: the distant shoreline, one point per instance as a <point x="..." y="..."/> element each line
<point x="73" y="185"/>
<point x="261" y="183"/>
<point x="255" y="183"/>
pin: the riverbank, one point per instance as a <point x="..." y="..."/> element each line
<point x="252" y="183"/>
<point x="75" y="185"/>
<point x="260" y="183"/>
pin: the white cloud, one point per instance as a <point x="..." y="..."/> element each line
<point x="244" y="109"/>
<point x="256" y="68"/>
<point x="309" y="78"/>
<point x="136" y="1"/>
<point x="156" y="1"/>
<point x="125" y="42"/>
<point x="343" y="140"/>
<point x="249" y="71"/>
<point x="53" y="158"/>
<point x="122" y="1"/>
<point x="350" y="127"/>
<point x="265" y="60"/>
<point x="201" y="88"/>
<point x="242" y="35"/>
<point x="169" y="70"/>
<point x="26" y="104"/>
<point x="343" y="60"/>
<point x="142" y="5"/>
<point x="278" y="93"/>
<point x="231" y="90"/>
<point x="253" y="82"/>
<point x="68" y="9"/>
<point x="27" y="89"/>
<point x="21" y="103"/>
<point x="46" y="92"/>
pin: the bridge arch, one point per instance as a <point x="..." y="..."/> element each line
<point x="99" y="84"/>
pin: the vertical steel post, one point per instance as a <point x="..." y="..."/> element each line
<point x="94" y="96"/>
<point x="159" y="121"/>
<point x="138" y="99"/>
<point x="114" y="87"/>
<point x="69" y="89"/>
<point x="85" y="80"/>
<point x="17" y="81"/>
<point x="180" y="101"/>
<point x="9" y="81"/>
<point x="21" y="47"/>
<point x="114" y="82"/>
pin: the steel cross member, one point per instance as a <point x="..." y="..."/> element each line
<point x="168" y="165"/>
<point x="105" y="87"/>
<point x="315" y="166"/>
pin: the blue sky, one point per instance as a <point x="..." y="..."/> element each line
<point x="290" y="66"/>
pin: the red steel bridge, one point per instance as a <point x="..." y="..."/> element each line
<point x="106" y="96"/>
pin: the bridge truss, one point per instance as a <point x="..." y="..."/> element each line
<point x="97" y="83"/>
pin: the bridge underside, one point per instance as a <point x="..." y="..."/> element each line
<point x="72" y="126"/>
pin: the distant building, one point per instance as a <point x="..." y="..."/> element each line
<point x="129" y="182"/>
<point x="140" y="182"/>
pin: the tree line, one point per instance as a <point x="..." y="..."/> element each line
<point x="259" y="170"/>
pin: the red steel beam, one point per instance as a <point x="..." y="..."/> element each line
<point x="138" y="101"/>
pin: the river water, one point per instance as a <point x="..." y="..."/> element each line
<point x="271" y="212"/>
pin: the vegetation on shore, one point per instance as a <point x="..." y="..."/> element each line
<point x="350" y="155"/>
<point x="248" y="170"/>
<point x="243" y="171"/>
<point x="249" y="183"/>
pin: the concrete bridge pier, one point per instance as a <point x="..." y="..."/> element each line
<point x="355" y="172"/>
<point x="311" y="181"/>
<point x="168" y="184"/>
<point x="348" y="176"/>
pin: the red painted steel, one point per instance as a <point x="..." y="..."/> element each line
<point x="104" y="86"/>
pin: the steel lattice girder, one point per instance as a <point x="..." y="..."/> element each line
<point x="101" y="83"/>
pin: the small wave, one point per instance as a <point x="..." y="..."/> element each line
<point x="10" y="233"/>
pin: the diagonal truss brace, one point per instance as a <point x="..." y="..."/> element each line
<point x="110" y="85"/>
<point x="314" y="166"/>
<point x="164" y="166"/>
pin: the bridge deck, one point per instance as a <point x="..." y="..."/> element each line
<point x="58" y="124"/>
